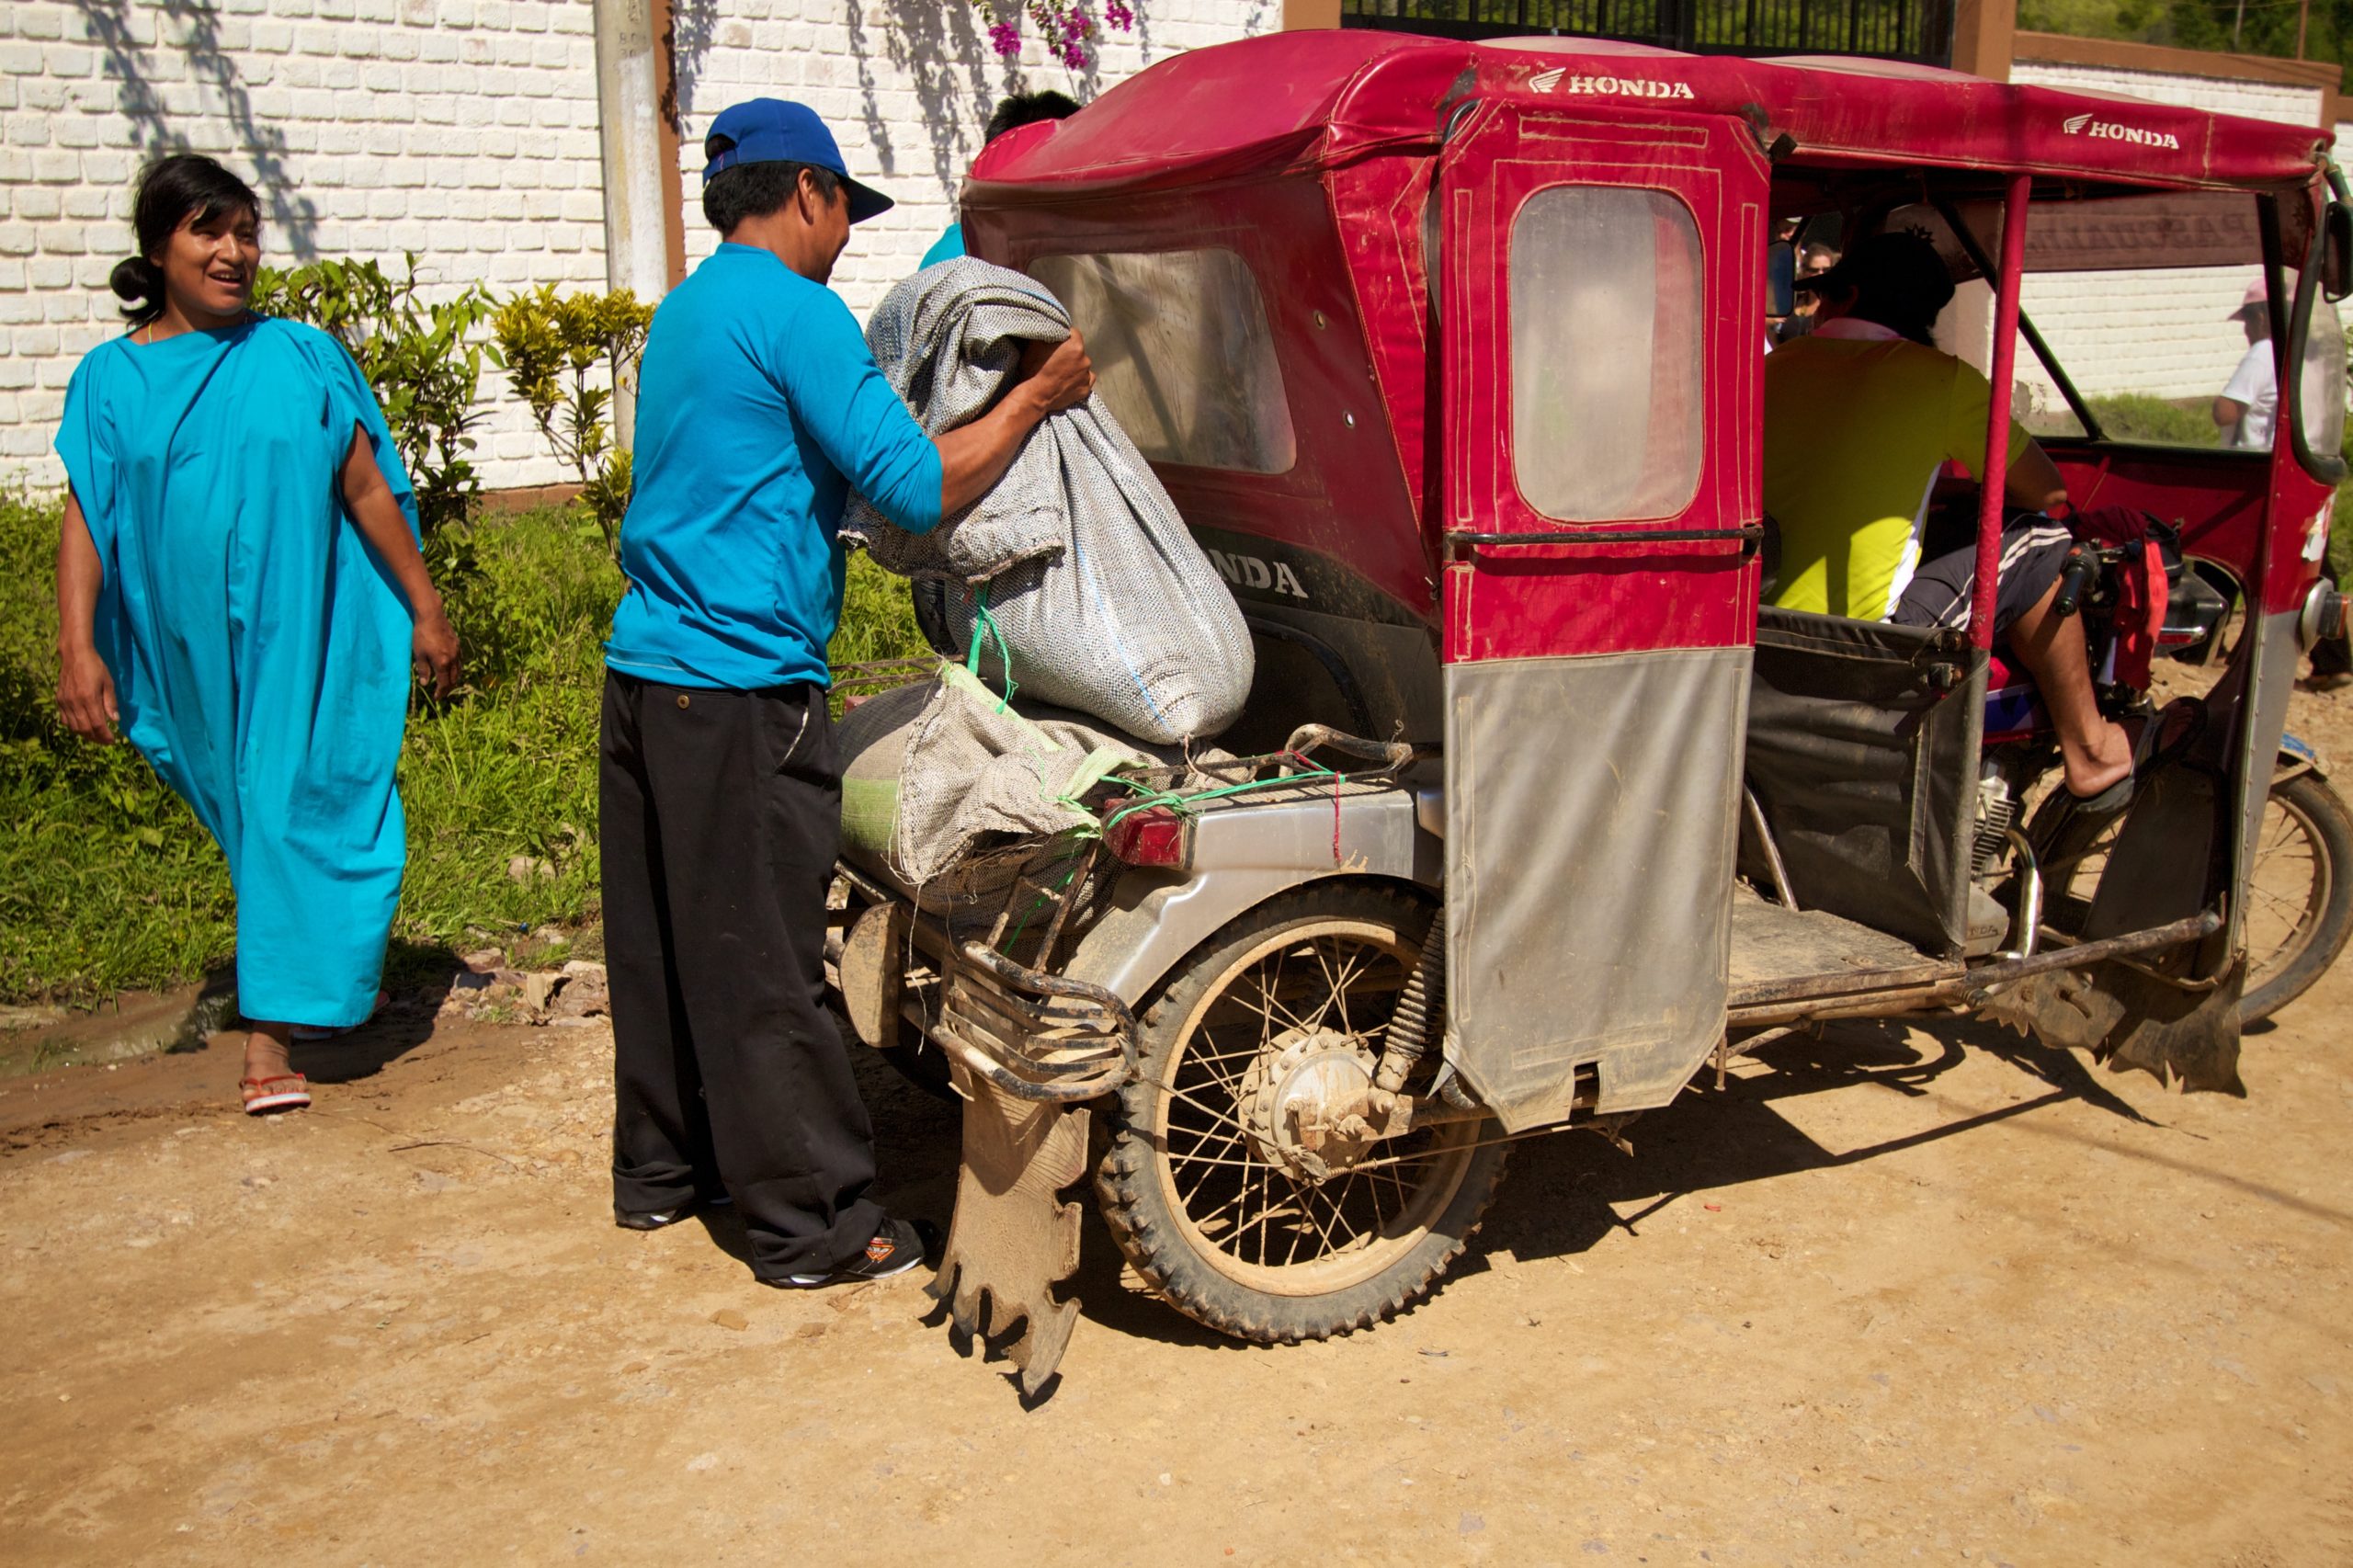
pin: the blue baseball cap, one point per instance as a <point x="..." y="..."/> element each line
<point x="774" y="130"/>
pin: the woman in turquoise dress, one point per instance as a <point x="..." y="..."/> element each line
<point x="240" y="591"/>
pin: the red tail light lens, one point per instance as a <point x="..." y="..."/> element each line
<point x="1156" y="836"/>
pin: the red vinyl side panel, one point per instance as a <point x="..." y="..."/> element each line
<point x="1513" y="599"/>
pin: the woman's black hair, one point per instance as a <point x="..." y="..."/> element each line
<point x="755" y="190"/>
<point x="187" y="188"/>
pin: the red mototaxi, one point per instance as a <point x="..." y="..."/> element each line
<point x="1452" y="355"/>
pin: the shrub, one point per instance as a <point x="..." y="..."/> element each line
<point x="551" y="346"/>
<point x="415" y="356"/>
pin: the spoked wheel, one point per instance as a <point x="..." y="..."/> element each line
<point x="2298" y="896"/>
<point x="1237" y="1182"/>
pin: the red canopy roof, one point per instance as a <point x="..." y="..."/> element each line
<point x="1314" y="100"/>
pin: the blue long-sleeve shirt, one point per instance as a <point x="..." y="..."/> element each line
<point x="759" y="408"/>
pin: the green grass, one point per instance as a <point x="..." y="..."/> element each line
<point x="108" y="883"/>
<point x="2136" y="416"/>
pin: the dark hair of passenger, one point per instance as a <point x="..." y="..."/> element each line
<point x="1028" y="108"/>
<point x="187" y="188"/>
<point x="755" y="190"/>
<point x="1900" y="282"/>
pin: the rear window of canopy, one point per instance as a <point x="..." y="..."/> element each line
<point x="1182" y="354"/>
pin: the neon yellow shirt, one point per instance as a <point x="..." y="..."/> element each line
<point x="1856" y="430"/>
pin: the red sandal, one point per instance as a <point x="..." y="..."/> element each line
<point x="263" y="1099"/>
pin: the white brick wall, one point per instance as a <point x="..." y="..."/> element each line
<point x="464" y="130"/>
<point x="906" y="85"/>
<point x="2256" y="100"/>
<point x="2166" y="334"/>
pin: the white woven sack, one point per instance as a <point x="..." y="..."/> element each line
<point x="1093" y="581"/>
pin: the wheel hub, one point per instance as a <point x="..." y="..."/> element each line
<point x="1304" y="1102"/>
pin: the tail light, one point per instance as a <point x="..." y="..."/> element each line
<point x="1156" y="836"/>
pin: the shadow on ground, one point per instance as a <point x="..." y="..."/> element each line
<point x="1563" y="1194"/>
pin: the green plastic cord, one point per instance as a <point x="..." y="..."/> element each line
<point x="985" y="629"/>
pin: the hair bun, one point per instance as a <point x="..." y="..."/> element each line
<point x="137" y="279"/>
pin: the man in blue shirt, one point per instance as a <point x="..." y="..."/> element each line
<point x="759" y="408"/>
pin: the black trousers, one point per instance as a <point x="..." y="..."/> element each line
<point x="721" y="818"/>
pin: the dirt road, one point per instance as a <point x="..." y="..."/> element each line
<point x="1933" y="1295"/>
<point x="1897" y="1293"/>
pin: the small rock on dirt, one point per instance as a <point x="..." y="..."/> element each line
<point x="728" y="1317"/>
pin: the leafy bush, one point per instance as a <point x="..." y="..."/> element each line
<point x="553" y="345"/>
<point x="416" y="358"/>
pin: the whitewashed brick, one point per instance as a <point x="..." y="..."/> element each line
<point x="463" y="129"/>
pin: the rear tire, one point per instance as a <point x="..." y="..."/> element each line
<point x="1221" y="1227"/>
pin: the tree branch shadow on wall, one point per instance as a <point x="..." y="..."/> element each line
<point x="940" y="49"/>
<point x="107" y="22"/>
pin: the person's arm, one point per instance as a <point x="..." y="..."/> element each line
<point x="2033" y="480"/>
<point x="85" y="684"/>
<point x="972" y="457"/>
<point x="864" y="430"/>
<point x="434" y="645"/>
<point x="2228" y="412"/>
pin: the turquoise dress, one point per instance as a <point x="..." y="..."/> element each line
<point x="260" y="651"/>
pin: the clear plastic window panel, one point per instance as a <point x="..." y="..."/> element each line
<point x="2162" y="358"/>
<point x="2322" y="395"/>
<point x="1607" y="306"/>
<point x="1182" y="354"/>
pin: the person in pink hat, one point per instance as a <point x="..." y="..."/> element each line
<point x="2250" y="402"/>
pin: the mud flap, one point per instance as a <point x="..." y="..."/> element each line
<point x="2130" y="1019"/>
<point x="1013" y="1238"/>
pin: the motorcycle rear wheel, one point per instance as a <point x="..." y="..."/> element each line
<point x="1194" y="1186"/>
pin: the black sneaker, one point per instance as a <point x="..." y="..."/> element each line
<point x="657" y="1219"/>
<point x="649" y="1219"/>
<point x="897" y="1247"/>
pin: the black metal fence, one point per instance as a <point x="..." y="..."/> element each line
<point x="1890" y="29"/>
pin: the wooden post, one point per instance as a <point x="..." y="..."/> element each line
<point x="1301" y="15"/>
<point x="1982" y="31"/>
<point x="668" y="133"/>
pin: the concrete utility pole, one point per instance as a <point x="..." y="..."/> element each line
<point x="629" y="118"/>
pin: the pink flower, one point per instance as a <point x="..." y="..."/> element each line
<point x="1119" y="16"/>
<point x="1006" y="38"/>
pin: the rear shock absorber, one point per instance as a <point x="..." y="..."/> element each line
<point x="1422" y="1000"/>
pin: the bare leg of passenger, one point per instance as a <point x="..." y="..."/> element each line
<point x="2097" y="753"/>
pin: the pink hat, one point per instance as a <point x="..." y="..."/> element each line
<point x="2255" y="295"/>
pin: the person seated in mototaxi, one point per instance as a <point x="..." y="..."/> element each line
<point x="1861" y="416"/>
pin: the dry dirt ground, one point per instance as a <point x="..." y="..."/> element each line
<point x="1930" y="1295"/>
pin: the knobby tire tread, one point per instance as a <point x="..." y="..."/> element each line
<point x="1127" y="1182"/>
